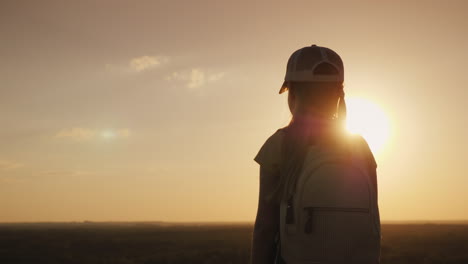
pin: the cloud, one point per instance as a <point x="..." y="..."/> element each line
<point x="76" y="133"/>
<point x="83" y="134"/>
<point x="10" y="164"/>
<point x="69" y="173"/>
<point x="138" y="64"/>
<point x="195" y="77"/>
<point x="124" y="132"/>
<point x="109" y="133"/>
<point x="215" y="77"/>
<point x="144" y="62"/>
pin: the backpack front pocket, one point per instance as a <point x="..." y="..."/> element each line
<point x="313" y="211"/>
<point x="339" y="233"/>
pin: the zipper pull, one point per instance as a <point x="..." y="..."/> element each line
<point x="309" y="223"/>
<point x="290" y="211"/>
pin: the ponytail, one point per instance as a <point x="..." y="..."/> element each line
<point x="342" y="111"/>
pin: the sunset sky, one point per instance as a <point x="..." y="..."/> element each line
<point x="154" y="110"/>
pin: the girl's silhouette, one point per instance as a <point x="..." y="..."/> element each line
<point x="318" y="184"/>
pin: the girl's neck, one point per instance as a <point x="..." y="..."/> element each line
<point x="311" y="116"/>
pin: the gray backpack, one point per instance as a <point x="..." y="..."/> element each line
<point x="331" y="214"/>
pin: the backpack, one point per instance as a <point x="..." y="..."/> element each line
<point x="331" y="214"/>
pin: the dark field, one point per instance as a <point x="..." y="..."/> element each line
<point x="195" y="243"/>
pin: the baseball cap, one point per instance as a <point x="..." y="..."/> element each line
<point x="313" y="64"/>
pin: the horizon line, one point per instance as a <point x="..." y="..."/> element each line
<point x="462" y="221"/>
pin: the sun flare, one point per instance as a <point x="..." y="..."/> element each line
<point x="369" y="120"/>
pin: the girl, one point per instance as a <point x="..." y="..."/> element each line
<point x="314" y="79"/>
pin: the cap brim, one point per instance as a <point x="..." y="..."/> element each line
<point x="283" y="88"/>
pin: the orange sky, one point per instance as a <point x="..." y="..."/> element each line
<point x="154" y="110"/>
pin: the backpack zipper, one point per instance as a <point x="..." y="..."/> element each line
<point x="311" y="210"/>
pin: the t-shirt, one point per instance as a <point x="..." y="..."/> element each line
<point x="269" y="155"/>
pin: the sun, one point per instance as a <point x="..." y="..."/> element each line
<point x="367" y="119"/>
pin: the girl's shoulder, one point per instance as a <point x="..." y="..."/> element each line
<point x="362" y="147"/>
<point x="269" y="155"/>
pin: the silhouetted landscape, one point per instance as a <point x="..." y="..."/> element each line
<point x="159" y="242"/>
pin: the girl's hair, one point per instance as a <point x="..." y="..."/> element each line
<point x="327" y="98"/>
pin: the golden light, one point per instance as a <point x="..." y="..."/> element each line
<point x="108" y="134"/>
<point x="367" y="119"/>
